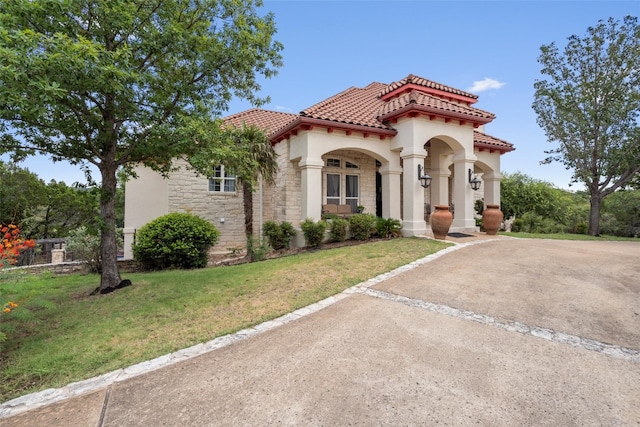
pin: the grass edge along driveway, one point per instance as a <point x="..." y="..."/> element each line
<point x="81" y="336"/>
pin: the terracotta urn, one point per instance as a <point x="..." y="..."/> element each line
<point x="441" y="220"/>
<point x="492" y="219"/>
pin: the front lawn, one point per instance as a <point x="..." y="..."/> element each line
<point x="79" y="336"/>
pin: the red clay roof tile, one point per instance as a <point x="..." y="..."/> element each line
<point x="434" y="104"/>
<point x="357" y="106"/>
<point x="420" y="81"/>
<point x="269" y="121"/>
<point x="482" y="140"/>
<point x="367" y="108"/>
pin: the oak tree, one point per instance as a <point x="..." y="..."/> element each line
<point x="116" y="83"/>
<point x="589" y="102"/>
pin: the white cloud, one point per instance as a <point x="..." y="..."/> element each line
<point x="486" y="84"/>
<point x="284" y="109"/>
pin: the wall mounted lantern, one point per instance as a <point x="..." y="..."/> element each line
<point x="425" y="180"/>
<point x="475" y="182"/>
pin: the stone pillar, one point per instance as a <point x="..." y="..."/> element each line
<point x="57" y="256"/>
<point x="463" y="216"/>
<point x="413" y="223"/>
<point x="311" y="186"/>
<point x="390" y="192"/>
<point x="491" y="183"/>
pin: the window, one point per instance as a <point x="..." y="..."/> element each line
<point x="350" y="165"/>
<point x="351" y="196"/>
<point x="221" y="181"/>
<point x="333" y="188"/>
<point x="333" y="163"/>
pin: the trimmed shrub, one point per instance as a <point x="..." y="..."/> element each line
<point x="85" y="247"/>
<point x="279" y="235"/>
<point x="338" y="230"/>
<point x="313" y="232"/>
<point x="179" y="240"/>
<point x="388" y="228"/>
<point x="362" y="226"/>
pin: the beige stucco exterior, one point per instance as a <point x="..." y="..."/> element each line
<point x="385" y="158"/>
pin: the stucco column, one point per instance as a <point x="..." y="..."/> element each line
<point x="390" y="192"/>
<point x="439" y="187"/>
<point x="462" y="193"/>
<point x="311" y="185"/>
<point x="413" y="223"/>
<point x="491" y="182"/>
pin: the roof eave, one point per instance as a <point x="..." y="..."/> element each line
<point x="308" y="123"/>
<point x="434" y="113"/>
<point x="492" y="148"/>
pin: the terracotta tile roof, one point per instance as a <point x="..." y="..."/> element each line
<point x="269" y="121"/>
<point x="420" y="81"/>
<point x="482" y="140"/>
<point x="367" y="110"/>
<point x="430" y="103"/>
<point x="355" y="106"/>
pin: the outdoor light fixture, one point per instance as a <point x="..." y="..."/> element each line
<point x="425" y="180"/>
<point x="475" y="182"/>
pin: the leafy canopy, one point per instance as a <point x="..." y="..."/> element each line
<point x="116" y="83"/>
<point x="589" y="104"/>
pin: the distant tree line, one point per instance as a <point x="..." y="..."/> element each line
<point x="539" y="207"/>
<point x="50" y="210"/>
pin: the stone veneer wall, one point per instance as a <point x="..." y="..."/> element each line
<point x="189" y="192"/>
<point x="366" y="172"/>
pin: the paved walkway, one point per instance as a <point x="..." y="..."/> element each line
<point x="490" y="332"/>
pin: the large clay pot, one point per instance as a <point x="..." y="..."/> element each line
<point x="492" y="219"/>
<point x="441" y="221"/>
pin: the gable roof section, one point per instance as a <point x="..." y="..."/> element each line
<point x="412" y="82"/>
<point x="415" y="103"/>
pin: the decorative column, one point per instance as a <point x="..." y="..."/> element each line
<point x="390" y="192"/>
<point x="439" y="187"/>
<point x="491" y="182"/>
<point x="311" y="186"/>
<point x="413" y="223"/>
<point x="462" y="193"/>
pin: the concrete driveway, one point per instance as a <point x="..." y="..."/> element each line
<point x="507" y="332"/>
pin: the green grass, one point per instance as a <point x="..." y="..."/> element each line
<point x="568" y="236"/>
<point x="81" y="336"/>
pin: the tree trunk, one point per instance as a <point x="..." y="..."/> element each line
<point x="110" y="275"/>
<point x="594" y="215"/>
<point x="247" y="202"/>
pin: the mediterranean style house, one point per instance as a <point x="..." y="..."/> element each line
<point x="365" y="147"/>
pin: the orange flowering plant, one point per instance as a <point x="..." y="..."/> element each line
<point x="11" y="243"/>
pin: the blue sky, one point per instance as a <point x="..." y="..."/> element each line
<point x="330" y="46"/>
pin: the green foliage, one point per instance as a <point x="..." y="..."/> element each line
<point x="388" y="227"/>
<point x="279" y="235"/>
<point x="127" y="83"/>
<point x="313" y="231"/>
<point x="85" y="247"/>
<point x="179" y="240"/>
<point x="361" y="226"/>
<point x="338" y="228"/>
<point x="531" y="222"/>
<point x="621" y="213"/>
<point x="478" y="205"/>
<point x="589" y="102"/>
<point x="255" y="250"/>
